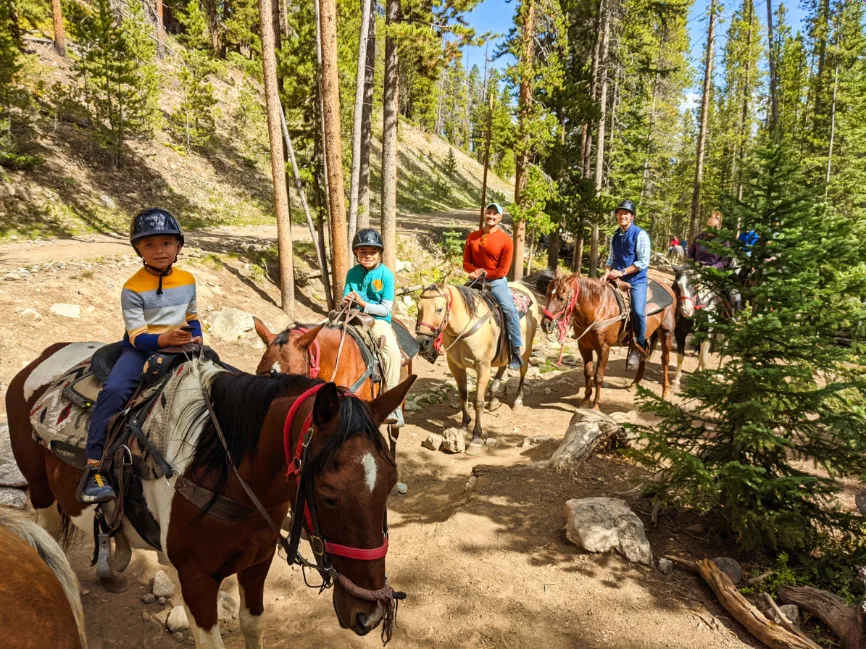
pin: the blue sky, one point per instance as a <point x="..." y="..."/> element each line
<point x="497" y="16"/>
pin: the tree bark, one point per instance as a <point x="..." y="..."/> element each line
<point x="160" y="30"/>
<point x="577" y="259"/>
<point x="333" y="146"/>
<point x="847" y="622"/>
<point x="59" y="33"/>
<point x="281" y="199"/>
<point x="599" y="146"/>
<point x="833" y="115"/>
<point x="744" y="117"/>
<point x="486" y="159"/>
<point x="390" y="105"/>
<point x="702" y="132"/>
<point x="771" y="49"/>
<point x="367" y="124"/>
<point x="646" y="162"/>
<point x="213" y="25"/>
<point x="525" y="64"/>
<point x="357" y="127"/>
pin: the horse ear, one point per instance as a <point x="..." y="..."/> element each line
<point x="558" y="273"/>
<point x="327" y="404"/>
<point x="307" y="339"/>
<point x="387" y="402"/>
<point x="264" y="333"/>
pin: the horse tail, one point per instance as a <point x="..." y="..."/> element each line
<point x="67" y="530"/>
<point x="54" y="558"/>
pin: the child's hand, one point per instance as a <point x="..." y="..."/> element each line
<point x="197" y="340"/>
<point x="175" y="338"/>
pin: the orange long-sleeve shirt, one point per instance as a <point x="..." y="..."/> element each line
<point x="492" y="252"/>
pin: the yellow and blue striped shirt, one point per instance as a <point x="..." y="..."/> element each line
<point x="147" y="314"/>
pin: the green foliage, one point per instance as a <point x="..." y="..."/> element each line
<point x="116" y="65"/>
<point x="195" y="32"/>
<point x="539" y="192"/>
<point x="192" y="121"/>
<point x="760" y="444"/>
<point x="453" y="244"/>
<point x="451" y="164"/>
<point x="12" y="97"/>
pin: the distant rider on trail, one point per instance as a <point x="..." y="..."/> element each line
<point x="628" y="261"/>
<point x="488" y="253"/>
<point x="159" y="310"/>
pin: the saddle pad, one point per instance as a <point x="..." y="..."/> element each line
<point x="363" y="341"/>
<point x="405" y="339"/>
<point x="657" y="299"/>
<point x="521" y="300"/>
<point x="56" y="418"/>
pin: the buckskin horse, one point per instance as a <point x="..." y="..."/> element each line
<point x="39" y="601"/>
<point x="456" y="320"/>
<point x="598" y="319"/>
<point x="243" y="449"/>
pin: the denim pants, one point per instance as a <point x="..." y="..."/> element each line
<point x="638" y="311"/>
<point x="118" y="389"/>
<point x="499" y="289"/>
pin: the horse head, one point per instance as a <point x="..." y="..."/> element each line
<point x="352" y="474"/>
<point x="685" y="290"/>
<point x="433" y="307"/>
<point x="559" y="292"/>
<point x="286" y="352"/>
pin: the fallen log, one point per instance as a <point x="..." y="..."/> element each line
<point x="846" y="622"/>
<point x="587" y="431"/>
<point x="770" y="633"/>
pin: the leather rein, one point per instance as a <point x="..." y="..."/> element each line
<point x="298" y="461"/>
<point x="438" y="332"/>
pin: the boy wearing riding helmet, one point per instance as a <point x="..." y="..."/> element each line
<point x="159" y="310"/>
<point x="370" y="285"/>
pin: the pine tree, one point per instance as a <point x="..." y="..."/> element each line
<point x="116" y="65"/>
<point x="11" y="96"/>
<point x="744" y="445"/>
<point x="192" y="121"/>
<point x="451" y="164"/>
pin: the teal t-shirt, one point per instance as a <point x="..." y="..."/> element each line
<point x="372" y="285"/>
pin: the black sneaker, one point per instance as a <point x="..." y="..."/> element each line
<point x="97" y="489"/>
<point x="515" y="363"/>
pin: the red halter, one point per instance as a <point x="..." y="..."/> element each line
<point x="440" y="330"/>
<point x="314" y="354"/>
<point x="296" y="468"/>
<point x="567" y="311"/>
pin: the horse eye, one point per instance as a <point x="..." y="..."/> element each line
<point x="440" y="309"/>
<point x="330" y="502"/>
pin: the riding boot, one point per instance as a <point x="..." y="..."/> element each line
<point x="636" y="353"/>
<point x="395" y="419"/>
<point x="516" y="361"/>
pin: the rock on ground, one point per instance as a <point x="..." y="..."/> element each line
<point x="433" y="442"/>
<point x="586" y="430"/>
<point x="11" y="476"/>
<point x="731" y="567"/>
<point x="66" y="310"/>
<point x="162" y="585"/>
<point x="230" y="323"/>
<point x="604" y="524"/>
<point x="453" y="441"/>
<point x="31" y="314"/>
<point x="666" y="566"/>
<point x="14" y="498"/>
<point x="177" y="620"/>
<point x="148" y="598"/>
<point x="227" y="607"/>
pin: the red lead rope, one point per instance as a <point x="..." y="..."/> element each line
<point x="293" y="460"/>
<point x="563" y="323"/>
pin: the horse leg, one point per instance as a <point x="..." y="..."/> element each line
<point x="251" y="583"/>
<point x="702" y="357"/>
<point x="494" y="388"/>
<point x="599" y="374"/>
<point x="459" y="374"/>
<point x="666" y="337"/>
<point x="518" y="400"/>
<point x="680" y="333"/>
<point x="200" y="592"/>
<point x="482" y="372"/>
<point x="586" y="355"/>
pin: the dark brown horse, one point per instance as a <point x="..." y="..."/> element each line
<point x="598" y="325"/>
<point x="349" y="476"/>
<point x="39" y="601"/>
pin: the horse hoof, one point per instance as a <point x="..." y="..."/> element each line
<point x="493" y="404"/>
<point x="474" y="447"/>
<point x="597" y="408"/>
<point x="116" y="585"/>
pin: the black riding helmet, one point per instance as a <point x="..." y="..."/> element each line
<point x="367" y="237"/>
<point x="628" y="206"/>
<point x="153" y="222"/>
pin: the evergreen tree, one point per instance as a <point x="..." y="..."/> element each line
<point x="192" y="121"/>
<point x="116" y="64"/>
<point x="451" y="164"/>
<point x="10" y="66"/>
<point x="760" y="444"/>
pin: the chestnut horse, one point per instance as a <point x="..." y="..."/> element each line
<point x="598" y="324"/>
<point x="346" y="484"/>
<point x="39" y="601"/>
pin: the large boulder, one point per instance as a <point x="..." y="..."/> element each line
<point x="604" y="524"/>
<point x="230" y="324"/>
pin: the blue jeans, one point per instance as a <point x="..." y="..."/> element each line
<point x="499" y="289"/>
<point x="638" y="312"/>
<point x="118" y="389"/>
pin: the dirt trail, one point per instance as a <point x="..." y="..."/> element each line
<point x="484" y="559"/>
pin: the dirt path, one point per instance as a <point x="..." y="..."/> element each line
<point x="482" y="556"/>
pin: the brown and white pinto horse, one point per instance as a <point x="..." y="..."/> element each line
<point x="591" y="307"/>
<point x="39" y="601"/>
<point x="349" y="474"/>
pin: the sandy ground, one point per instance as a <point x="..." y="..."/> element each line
<point x="482" y="556"/>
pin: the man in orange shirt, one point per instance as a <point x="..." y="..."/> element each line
<point x="488" y="253"/>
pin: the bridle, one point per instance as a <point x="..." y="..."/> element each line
<point x="694" y="299"/>
<point x="299" y="468"/>
<point x="313" y="355"/>
<point x="436" y="332"/>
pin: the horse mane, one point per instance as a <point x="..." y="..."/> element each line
<point x="469" y="297"/>
<point x="593" y="288"/>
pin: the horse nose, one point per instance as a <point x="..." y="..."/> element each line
<point x="364" y="624"/>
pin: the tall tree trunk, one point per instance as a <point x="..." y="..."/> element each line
<point x="744" y="116"/>
<point x="646" y="161"/>
<point x="160" y="30"/>
<point x="527" y="55"/>
<point x="577" y="259"/>
<point x="389" y="138"/>
<point x="333" y="146"/>
<point x="213" y="27"/>
<point x="486" y="159"/>
<point x="771" y="49"/>
<point x="367" y="124"/>
<point x="59" y="33"/>
<point x="702" y="132"/>
<point x="833" y="112"/>
<point x="281" y="199"/>
<point x="599" y="147"/>
<point x="357" y="127"/>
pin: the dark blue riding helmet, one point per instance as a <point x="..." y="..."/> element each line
<point x="154" y="221"/>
